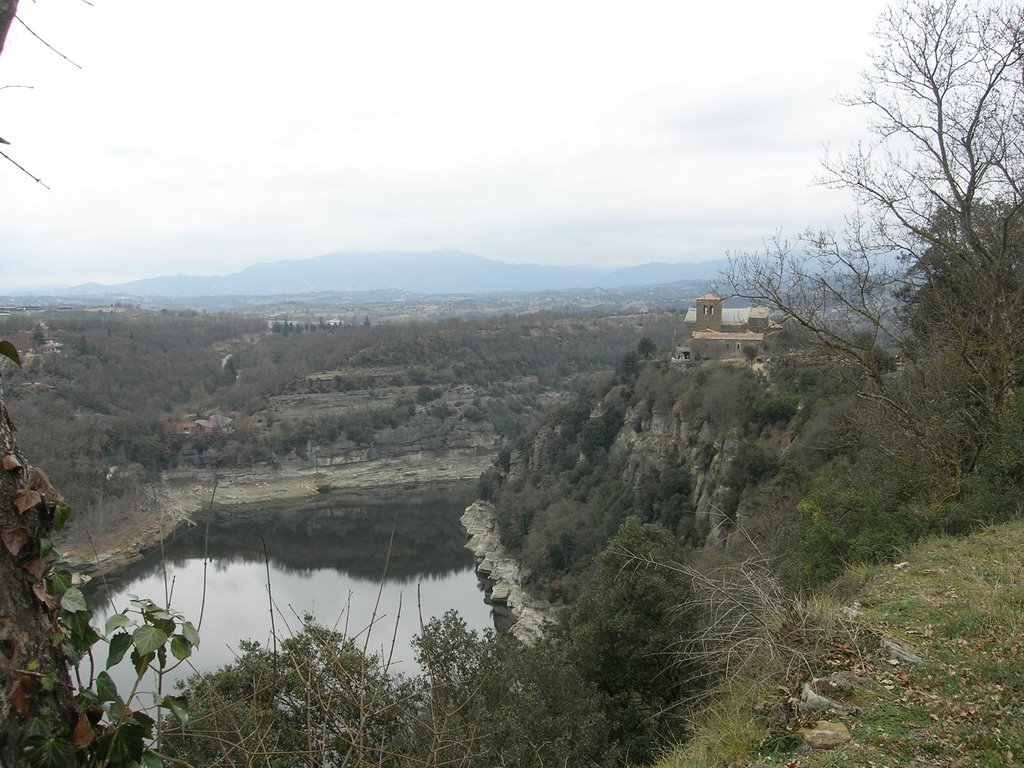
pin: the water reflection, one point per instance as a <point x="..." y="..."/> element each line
<point x="326" y="559"/>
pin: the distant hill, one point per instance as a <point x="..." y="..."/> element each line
<point x="425" y="272"/>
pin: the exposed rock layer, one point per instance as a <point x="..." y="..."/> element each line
<point x="504" y="576"/>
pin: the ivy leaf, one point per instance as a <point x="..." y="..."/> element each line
<point x="73" y="600"/>
<point x="106" y="690"/>
<point x="147" y="639"/>
<point x="116" y="621"/>
<point x="15" y="537"/>
<point x="150" y="760"/>
<point x="119" y="645"/>
<point x="8" y="350"/>
<point x="181" y="648"/>
<point x="10" y="462"/>
<point x="49" y="752"/>
<point x="24" y="500"/>
<point x="82" y="636"/>
<point x="60" y="516"/>
<point x="60" y="581"/>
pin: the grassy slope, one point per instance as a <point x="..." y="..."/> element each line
<point x="959" y="603"/>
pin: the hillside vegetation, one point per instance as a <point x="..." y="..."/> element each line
<point x="958" y="605"/>
<point x="102" y="395"/>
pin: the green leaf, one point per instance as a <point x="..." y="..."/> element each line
<point x="60" y="582"/>
<point x="49" y="752"/>
<point x="45" y="547"/>
<point x="181" y="648"/>
<point x="82" y="635"/>
<point x="164" y="625"/>
<point x="124" y="744"/>
<point x="178" y="706"/>
<point x="119" y="645"/>
<point x="150" y="760"/>
<point x="141" y="660"/>
<point x="106" y="690"/>
<point x="73" y="600"/>
<point x="60" y="516"/>
<point x="116" y="621"/>
<point x="190" y="632"/>
<point x="8" y="350"/>
<point x="147" y="639"/>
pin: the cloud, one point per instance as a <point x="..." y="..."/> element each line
<point x="206" y="136"/>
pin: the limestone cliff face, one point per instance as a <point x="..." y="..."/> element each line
<point x="648" y="444"/>
<point x="651" y="442"/>
<point x="430" y="454"/>
<point x="539" y="455"/>
<point x="516" y="610"/>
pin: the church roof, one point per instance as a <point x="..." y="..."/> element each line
<point x="730" y="315"/>
<point x="709" y="335"/>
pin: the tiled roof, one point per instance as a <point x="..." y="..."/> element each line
<point x="731" y="315"/>
<point x="708" y="335"/>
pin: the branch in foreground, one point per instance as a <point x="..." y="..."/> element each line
<point x="22" y="168"/>
<point x="37" y="37"/>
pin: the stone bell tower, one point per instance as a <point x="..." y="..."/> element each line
<point x="709" y="313"/>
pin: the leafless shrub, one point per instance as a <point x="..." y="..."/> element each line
<point x="750" y="627"/>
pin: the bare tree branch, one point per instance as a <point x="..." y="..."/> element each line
<point x="22" y="169"/>
<point x="41" y="40"/>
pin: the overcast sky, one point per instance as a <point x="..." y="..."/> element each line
<point x="201" y="137"/>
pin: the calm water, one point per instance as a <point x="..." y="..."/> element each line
<point x="328" y="559"/>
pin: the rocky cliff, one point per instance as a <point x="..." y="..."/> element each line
<point x="516" y="610"/>
<point x="183" y="496"/>
<point x="651" y="442"/>
<point x="650" y="445"/>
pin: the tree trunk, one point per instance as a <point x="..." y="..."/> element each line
<point x="31" y="647"/>
<point x="7" y="10"/>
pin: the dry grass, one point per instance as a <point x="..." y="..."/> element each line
<point x="959" y="604"/>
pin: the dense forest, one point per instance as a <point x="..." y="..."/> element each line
<point x="101" y="390"/>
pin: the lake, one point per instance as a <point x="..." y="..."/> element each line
<point x="330" y="558"/>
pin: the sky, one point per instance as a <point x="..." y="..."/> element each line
<point x="201" y="137"/>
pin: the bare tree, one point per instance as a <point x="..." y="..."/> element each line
<point x="930" y="266"/>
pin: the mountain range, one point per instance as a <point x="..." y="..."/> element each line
<point x="421" y="272"/>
